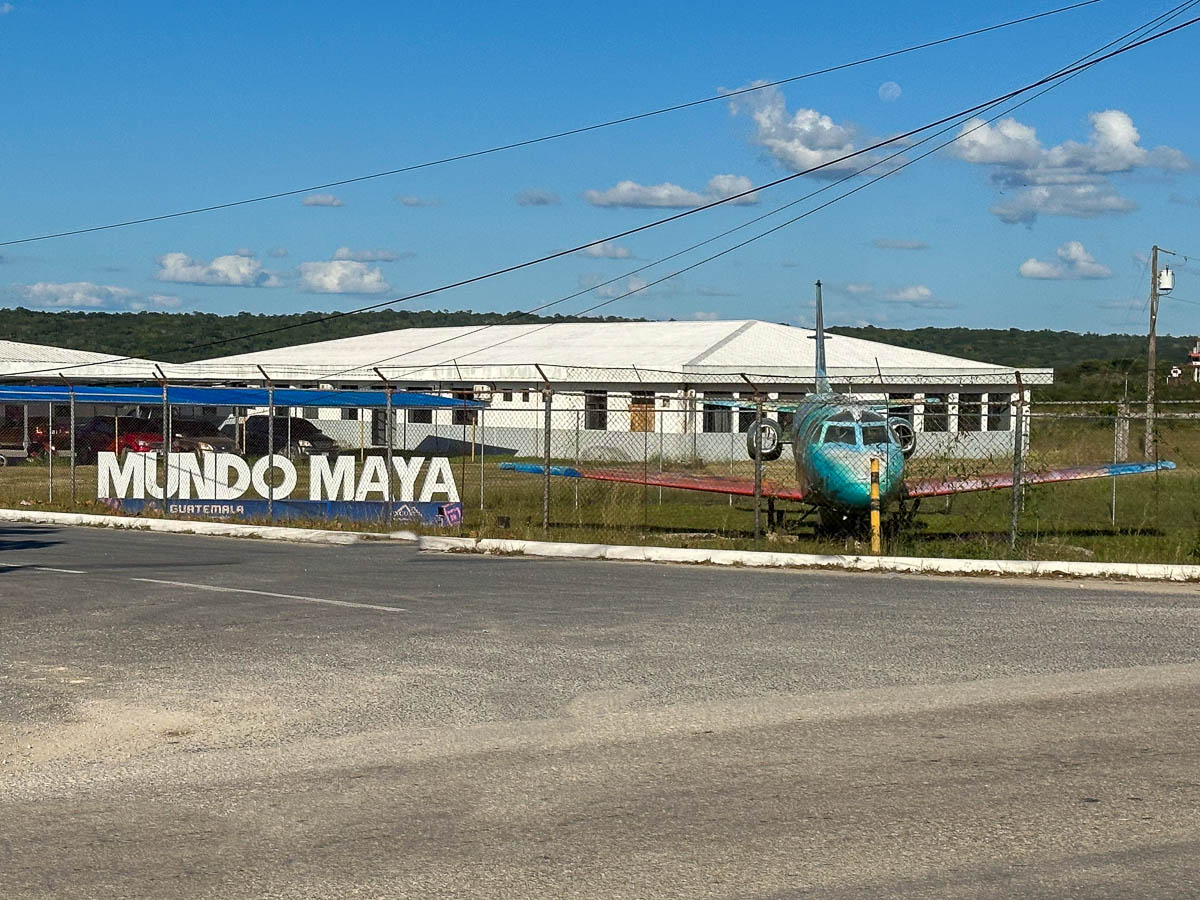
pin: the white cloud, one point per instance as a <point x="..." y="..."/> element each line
<point x="853" y="288"/>
<point x="800" y="140"/>
<point x="672" y="196"/>
<point x="1186" y="199"/>
<point x="86" y="295"/>
<point x="228" y="271"/>
<point x="899" y="244"/>
<point x="6" y="8"/>
<point x="702" y="316"/>
<point x="244" y="251"/>
<point x="277" y="252"/>
<point x="322" y="200"/>
<point x="1069" y="179"/>
<point x="342" y="276"/>
<point x="412" y="200"/>
<point x="366" y="255"/>
<point x="889" y="92"/>
<point x="917" y="295"/>
<point x="631" y="285"/>
<point x="1073" y="262"/>
<point x="537" y="197"/>
<point x="606" y="250"/>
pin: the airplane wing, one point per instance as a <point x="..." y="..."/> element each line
<point x="685" y="481"/>
<point x="940" y="487"/>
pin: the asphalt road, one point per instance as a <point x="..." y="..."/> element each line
<point x="200" y="717"/>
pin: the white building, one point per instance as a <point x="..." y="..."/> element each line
<point x="639" y="378"/>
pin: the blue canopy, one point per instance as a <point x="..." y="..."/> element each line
<point x="224" y="396"/>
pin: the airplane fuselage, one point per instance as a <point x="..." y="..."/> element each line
<point x="834" y="440"/>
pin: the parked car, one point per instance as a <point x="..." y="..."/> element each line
<point x="303" y="438"/>
<point x="120" y="434"/>
<point x="40" y="440"/>
<point x="198" y="436"/>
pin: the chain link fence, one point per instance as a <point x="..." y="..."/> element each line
<point x="642" y="449"/>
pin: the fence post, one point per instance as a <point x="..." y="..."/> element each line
<point x="1018" y="460"/>
<point x="547" y="394"/>
<point x="482" y="455"/>
<point x="166" y="439"/>
<point x="71" y="394"/>
<point x="50" y="445"/>
<point x="389" y="435"/>
<point x="578" y="415"/>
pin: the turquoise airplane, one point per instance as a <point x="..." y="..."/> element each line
<point x="834" y="437"/>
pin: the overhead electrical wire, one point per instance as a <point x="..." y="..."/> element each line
<point x="1061" y="74"/>
<point x="528" y="142"/>
<point x="1139" y="31"/>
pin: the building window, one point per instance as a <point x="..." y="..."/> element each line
<point x="718" y="419"/>
<point x="420" y="416"/>
<point x="506" y="396"/>
<point x="936" y="416"/>
<point x="901" y="406"/>
<point x="595" y="410"/>
<point x="524" y="396"/>
<point x="746" y="416"/>
<point x="999" y="412"/>
<point x="970" y="412"/>
<point x="463" y="416"/>
<point x="309" y="412"/>
<point x="641" y="411"/>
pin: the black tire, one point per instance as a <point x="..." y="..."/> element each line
<point x="771" y="436"/>
<point x="906" y="435"/>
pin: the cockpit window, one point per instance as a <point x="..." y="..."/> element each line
<point x="840" y="434"/>
<point x="874" y="434"/>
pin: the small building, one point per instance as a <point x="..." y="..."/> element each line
<point x="673" y="380"/>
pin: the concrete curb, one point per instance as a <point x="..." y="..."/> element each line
<point x="912" y="564"/>
<point x="219" y="529"/>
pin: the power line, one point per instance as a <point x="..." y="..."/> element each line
<point x="1061" y="74"/>
<point x="1141" y="30"/>
<point x="547" y="137"/>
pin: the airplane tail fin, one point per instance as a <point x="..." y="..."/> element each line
<point x="822" y="376"/>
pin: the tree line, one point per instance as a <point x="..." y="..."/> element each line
<point x="1086" y="365"/>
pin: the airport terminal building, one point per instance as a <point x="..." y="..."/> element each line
<point x="671" y="380"/>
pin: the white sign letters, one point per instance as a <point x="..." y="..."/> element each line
<point x="226" y="476"/>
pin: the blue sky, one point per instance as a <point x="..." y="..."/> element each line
<point x="124" y="110"/>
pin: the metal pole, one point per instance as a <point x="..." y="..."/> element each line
<point x="72" y="392"/>
<point x="876" y="542"/>
<point x="547" y="394"/>
<point x="166" y="441"/>
<point x="390" y="430"/>
<point x="25" y="428"/>
<point x="1018" y="459"/>
<point x="757" y="467"/>
<point x="578" y="413"/>
<point x="482" y="445"/>
<point x="50" y="445"/>
<point x="270" y="450"/>
<point x="1152" y="356"/>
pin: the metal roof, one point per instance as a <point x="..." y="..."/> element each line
<point x="510" y="352"/>
<point x="218" y="396"/>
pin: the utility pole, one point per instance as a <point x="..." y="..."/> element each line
<point x="1151" y="443"/>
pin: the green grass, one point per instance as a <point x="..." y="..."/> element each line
<point x="1157" y="516"/>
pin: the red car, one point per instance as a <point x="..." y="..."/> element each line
<point x="122" y="434"/>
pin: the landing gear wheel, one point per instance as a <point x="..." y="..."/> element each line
<point x="770" y="438"/>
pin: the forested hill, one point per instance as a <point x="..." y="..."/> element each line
<point x="1014" y="347"/>
<point x="154" y="334"/>
<point x="1097" y="363"/>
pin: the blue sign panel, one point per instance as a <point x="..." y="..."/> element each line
<point x="440" y="515"/>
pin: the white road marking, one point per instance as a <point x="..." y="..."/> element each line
<point x="9" y="565"/>
<point x="232" y="590"/>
